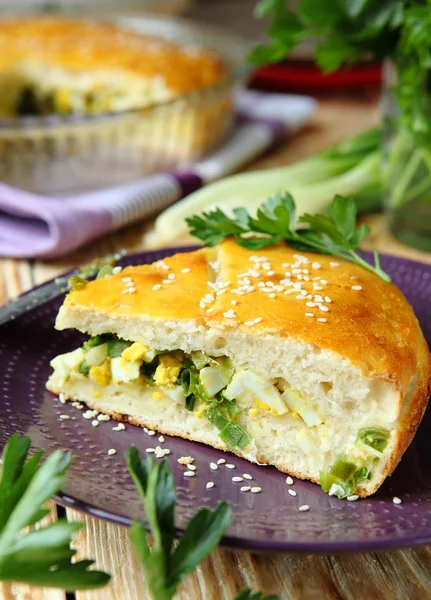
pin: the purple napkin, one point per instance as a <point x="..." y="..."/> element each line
<point x="37" y="226"/>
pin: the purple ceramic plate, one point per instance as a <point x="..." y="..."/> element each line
<point x="100" y="485"/>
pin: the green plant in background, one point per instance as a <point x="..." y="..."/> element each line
<point x="349" y="31"/>
<point x="42" y="557"/>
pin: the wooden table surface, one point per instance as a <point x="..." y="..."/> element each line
<point x="397" y="575"/>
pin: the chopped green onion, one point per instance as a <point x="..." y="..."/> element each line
<point x="233" y="435"/>
<point x="148" y="370"/>
<point x="374" y="438"/>
<point x="116" y="346"/>
<point x="104" y="271"/>
<point x="77" y="283"/>
<point x="200" y="359"/>
<point x="345" y="488"/>
<point x="189" y="377"/>
<point x="361" y="475"/>
<point x="215" y="417"/>
<point x="84" y="369"/>
<point x="96" y="340"/>
<point x="343" y="469"/>
<point x="190" y="402"/>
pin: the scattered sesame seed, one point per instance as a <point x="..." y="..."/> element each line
<point x="316" y="265"/>
<point x="64" y="417"/>
<point x="202" y="304"/>
<point x="292" y="492"/>
<point x="310" y="304"/>
<point x="237" y="479"/>
<point x="185" y="460"/>
<point x="230" y="466"/>
<point x="334" y="264"/>
<point x="234" y="302"/>
<point x="258" y="320"/>
<point x="210" y="485"/>
<point x="131" y="290"/>
<point x="321" y="320"/>
<point x="127" y="279"/>
<point x="167" y="451"/>
<point x="304" y="508"/>
<point x="357" y="287"/>
<point x="396" y="500"/>
<point x="309" y="315"/>
<point x="77" y="405"/>
<point x="300" y="297"/>
<point x="290" y="292"/>
<point x="221" y="461"/>
<point x="247" y="476"/>
<point x="95" y="423"/>
<point x="62" y="398"/>
<point x="192" y="467"/>
<point x="323" y="282"/>
<point x="189" y="474"/>
<point x="171" y="276"/>
<point x="121" y="426"/>
<point x="160" y="454"/>
<point x="161" y="439"/>
<point x="352" y="498"/>
<point x="112" y="451"/>
<point x="256" y="490"/>
<point x="186" y="270"/>
<point x="157" y="286"/>
<point x="249" y="323"/>
<point x="328" y="299"/>
<point x="229" y="314"/>
<point x="261" y="284"/>
<point x="126" y="291"/>
<point x="103" y="417"/>
<point x="304" y="293"/>
<point x="166" y="281"/>
<point x="149" y="450"/>
<point x="272" y="295"/>
<point x="317" y="287"/>
<point x="289" y="480"/>
<point x="213" y="466"/>
<point x="117" y="270"/>
<point x="151" y="433"/>
<point x="245" y="488"/>
<point x="323" y="308"/>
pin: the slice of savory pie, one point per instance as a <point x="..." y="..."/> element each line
<point x="317" y="367"/>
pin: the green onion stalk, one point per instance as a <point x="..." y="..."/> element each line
<point x="350" y="168"/>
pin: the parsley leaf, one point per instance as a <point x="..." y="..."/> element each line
<point x="41" y="557"/>
<point x="164" y="565"/>
<point x="275" y="221"/>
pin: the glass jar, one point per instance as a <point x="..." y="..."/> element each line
<point x="406" y="168"/>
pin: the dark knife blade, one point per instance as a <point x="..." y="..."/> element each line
<point x="54" y="288"/>
<point x="35" y="297"/>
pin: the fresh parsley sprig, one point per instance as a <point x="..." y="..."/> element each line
<point x="165" y="565"/>
<point x="276" y="221"/>
<point x="41" y="557"/>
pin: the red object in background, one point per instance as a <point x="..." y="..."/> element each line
<point x="305" y="76"/>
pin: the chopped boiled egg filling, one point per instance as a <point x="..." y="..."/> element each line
<point x="211" y="388"/>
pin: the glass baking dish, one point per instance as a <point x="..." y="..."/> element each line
<point x="57" y="155"/>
